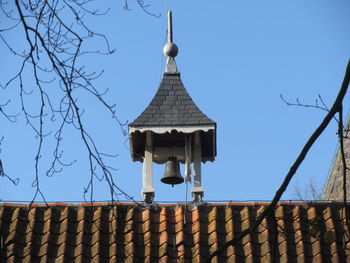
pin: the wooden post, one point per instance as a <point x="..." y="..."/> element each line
<point x="197" y="189"/>
<point x="147" y="183"/>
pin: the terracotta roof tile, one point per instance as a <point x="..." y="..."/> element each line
<point x="126" y="233"/>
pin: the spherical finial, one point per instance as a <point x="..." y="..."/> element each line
<point x="170" y="50"/>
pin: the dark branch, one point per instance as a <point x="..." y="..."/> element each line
<point x="56" y="35"/>
<point x="316" y="134"/>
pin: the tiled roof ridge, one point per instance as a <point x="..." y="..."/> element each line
<point x="161" y="205"/>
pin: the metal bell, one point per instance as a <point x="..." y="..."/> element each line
<point x="172" y="173"/>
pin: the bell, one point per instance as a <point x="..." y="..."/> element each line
<point x="172" y="173"/>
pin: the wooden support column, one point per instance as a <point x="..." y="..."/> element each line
<point x="147" y="183"/>
<point x="197" y="189"/>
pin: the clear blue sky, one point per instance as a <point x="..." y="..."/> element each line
<point x="235" y="58"/>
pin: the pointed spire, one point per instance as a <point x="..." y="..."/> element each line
<point x="333" y="189"/>
<point x="170" y="49"/>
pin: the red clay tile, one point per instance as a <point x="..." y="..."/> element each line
<point x="105" y="233"/>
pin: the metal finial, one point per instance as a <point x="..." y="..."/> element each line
<point x="170" y="49"/>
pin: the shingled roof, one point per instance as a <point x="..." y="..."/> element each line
<point x="171" y="106"/>
<point x="313" y="232"/>
<point x="334" y="187"/>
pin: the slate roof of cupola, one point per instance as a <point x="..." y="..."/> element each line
<point x="172" y="106"/>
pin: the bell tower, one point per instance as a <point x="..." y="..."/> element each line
<point x="172" y="130"/>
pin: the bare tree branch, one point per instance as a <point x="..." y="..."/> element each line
<point x="15" y="181"/>
<point x="56" y="35"/>
<point x="345" y="168"/>
<point x="309" y="191"/>
<point x="336" y="108"/>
